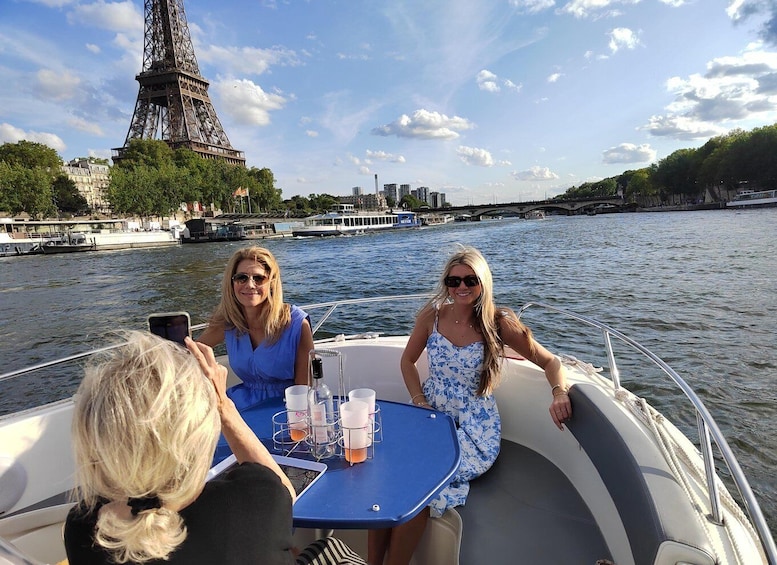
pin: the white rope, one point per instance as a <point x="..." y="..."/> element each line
<point x="670" y="448"/>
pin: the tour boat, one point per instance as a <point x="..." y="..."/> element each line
<point x="29" y="237"/>
<point x="622" y="484"/>
<point x="754" y="199"/>
<point x="345" y="220"/>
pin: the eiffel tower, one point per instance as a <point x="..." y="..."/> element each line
<point x="173" y="103"/>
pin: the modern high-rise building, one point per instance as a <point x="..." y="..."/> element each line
<point x="404" y="190"/>
<point x="437" y="199"/>
<point x="357" y="191"/>
<point x="422" y="193"/>
<point x="390" y="191"/>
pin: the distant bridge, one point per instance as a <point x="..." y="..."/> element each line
<point x="567" y="207"/>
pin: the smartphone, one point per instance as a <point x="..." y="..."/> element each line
<point x="174" y="326"/>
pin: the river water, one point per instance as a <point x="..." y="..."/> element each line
<point x="697" y="288"/>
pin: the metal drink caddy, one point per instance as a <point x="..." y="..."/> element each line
<point x="282" y="430"/>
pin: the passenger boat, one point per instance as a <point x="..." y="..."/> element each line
<point x="754" y="199"/>
<point x="23" y="237"/>
<point x="435" y="219"/>
<point x="71" y="243"/>
<point x="534" y="215"/>
<point x="345" y="220"/>
<point x="622" y="484"/>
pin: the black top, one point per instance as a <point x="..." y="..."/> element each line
<point x="245" y="517"/>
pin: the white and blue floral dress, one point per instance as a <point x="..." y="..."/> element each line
<point x="454" y="376"/>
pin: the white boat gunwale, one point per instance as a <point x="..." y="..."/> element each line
<point x="708" y="429"/>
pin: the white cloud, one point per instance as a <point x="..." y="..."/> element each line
<point x="535" y="173"/>
<point x="680" y="127"/>
<point x="90" y="127"/>
<point x="56" y="85"/>
<point x="554" y="77"/>
<point x="532" y="6"/>
<point x="489" y="82"/>
<point x="93" y="48"/>
<point x="247" y="60"/>
<point x="475" y="156"/>
<point x="734" y="89"/>
<point x="425" y="124"/>
<point x="629" y="153"/>
<point x="247" y="102"/>
<point x="383" y="156"/>
<point x="11" y="134"/>
<point x="622" y="38"/>
<point x="311" y="133"/>
<point x="113" y="16"/>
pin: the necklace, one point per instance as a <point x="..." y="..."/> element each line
<point x="457" y="322"/>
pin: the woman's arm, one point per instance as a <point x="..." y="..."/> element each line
<point x="212" y="335"/>
<point x="302" y="362"/>
<point x="513" y="336"/>
<point x="241" y="438"/>
<point x="415" y="346"/>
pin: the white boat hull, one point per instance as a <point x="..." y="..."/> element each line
<point x="643" y="500"/>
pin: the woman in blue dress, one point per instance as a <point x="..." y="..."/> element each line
<point x="464" y="334"/>
<point x="268" y="341"/>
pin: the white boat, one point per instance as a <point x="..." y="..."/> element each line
<point x="534" y="215"/>
<point x="754" y="199"/>
<point x="345" y="220"/>
<point x="622" y="484"/>
<point x="435" y="219"/>
<point x="22" y="237"/>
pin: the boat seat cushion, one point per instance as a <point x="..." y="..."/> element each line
<point x="652" y="506"/>
<point x="523" y="506"/>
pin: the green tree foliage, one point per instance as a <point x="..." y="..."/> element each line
<point x="27" y="173"/>
<point x="31" y="155"/>
<point x="721" y="166"/>
<point x="410" y="202"/>
<point x="66" y="196"/>
<point x="25" y="189"/>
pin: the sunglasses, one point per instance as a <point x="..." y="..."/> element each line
<point x="242" y="278"/>
<point x="469" y="280"/>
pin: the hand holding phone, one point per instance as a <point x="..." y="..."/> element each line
<point x="174" y="326"/>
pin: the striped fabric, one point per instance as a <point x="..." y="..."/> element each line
<point x="329" y="551"/>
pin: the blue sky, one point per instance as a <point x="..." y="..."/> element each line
<point x="485" y="100"/>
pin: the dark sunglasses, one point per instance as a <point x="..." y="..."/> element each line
<point x="242" y="278"/>
<point x="469" y="280"/>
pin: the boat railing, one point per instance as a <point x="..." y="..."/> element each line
<point x="707" y="428"/>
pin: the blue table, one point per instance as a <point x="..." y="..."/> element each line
<point x="416" y="459"/>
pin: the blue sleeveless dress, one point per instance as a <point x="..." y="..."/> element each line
<point x="267" y="370"/>
<point x="454" y="375"/>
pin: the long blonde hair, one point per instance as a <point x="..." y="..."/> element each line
<point x="145" y="424"/>
<point x="487" y="314"/>
<point x="229" y="313"/>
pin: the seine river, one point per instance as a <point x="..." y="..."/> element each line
<point x="697" y="288"/>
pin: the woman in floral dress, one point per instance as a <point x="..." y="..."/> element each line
<point x="464" y="334"/>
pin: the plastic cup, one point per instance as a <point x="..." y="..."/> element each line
<point x="366" y="395"/>
<point x="297" y="411"/>
<point x="355" y="419"/>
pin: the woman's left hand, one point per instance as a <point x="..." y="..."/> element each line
<point x="561" y="410"/>
<point x="213" y="370"/>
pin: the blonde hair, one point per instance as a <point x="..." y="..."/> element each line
<point x="487" y="314"/>
<point x="229" y="313"/>
<point x="145" y="424"/>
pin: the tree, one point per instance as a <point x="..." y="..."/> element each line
<point x="25" y="189"/>
<point x="30" y="155"/>
<point x="67" y="197"/>
<point x="151" y="153"/>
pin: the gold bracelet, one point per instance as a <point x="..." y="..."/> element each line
<point x="412" y="398"/>
<point x="564" y="390"/>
